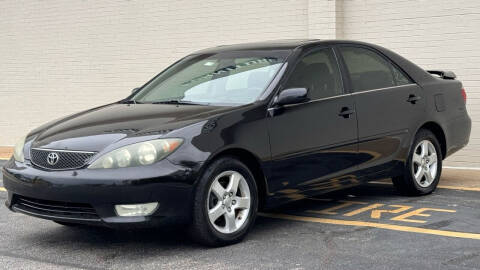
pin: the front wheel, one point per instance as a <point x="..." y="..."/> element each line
<point x="225" y="203"/>
<point x="423" y="167"/>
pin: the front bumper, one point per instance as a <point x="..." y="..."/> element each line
<point x="89" y="196"/>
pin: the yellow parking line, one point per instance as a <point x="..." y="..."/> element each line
<point x="439" y="186"/>
<point x="2" y="189"/>
<point x="392" y="227"/>
<point x="460" y="188"/>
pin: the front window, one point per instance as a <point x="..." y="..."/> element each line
<point x="228" y="79"/>
<point x="318" y="72"/>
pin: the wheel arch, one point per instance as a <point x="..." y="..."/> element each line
<point x="437" y="130"/>
<point x="252" y="162"/>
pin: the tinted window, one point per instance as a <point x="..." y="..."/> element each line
<point x="399" y="77"/>
<point x="317" y="71"/>
<point x="368" y="70"/>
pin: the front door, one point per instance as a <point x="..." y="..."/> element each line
<point x="313" y="144"/>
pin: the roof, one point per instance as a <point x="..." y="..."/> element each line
<point x="284" y="44"/>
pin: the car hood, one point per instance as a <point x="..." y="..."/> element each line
<point x="97" y="128"/>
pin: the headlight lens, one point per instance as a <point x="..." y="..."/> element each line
<point x="18" y="150"/>
<point x="138" y="154"/>
<point x="147" y="153"/>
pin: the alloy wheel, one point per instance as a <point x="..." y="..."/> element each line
<point x="228" y="202"/>
<point x="424" y="163"/>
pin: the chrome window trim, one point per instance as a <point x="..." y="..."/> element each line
<point x="316" y="100"/>
<point x="380" y="89"/>
<point x="343" y="95"/>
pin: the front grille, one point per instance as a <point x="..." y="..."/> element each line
<point x="66" y="160"/>
<point x="54" y="209"/>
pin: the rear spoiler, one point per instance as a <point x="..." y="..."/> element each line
<point x="447" y="75"/>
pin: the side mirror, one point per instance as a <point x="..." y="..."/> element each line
<point x="292" y="96"/>
<point x="135" y="90"/>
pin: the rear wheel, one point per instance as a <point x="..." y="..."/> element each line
<point x="225" y="204"/>
<point x="424" y="166"/>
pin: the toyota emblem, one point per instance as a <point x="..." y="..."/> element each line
<point x="52" y="158"/>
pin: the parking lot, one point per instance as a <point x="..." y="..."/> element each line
<point x="365" y="227"/>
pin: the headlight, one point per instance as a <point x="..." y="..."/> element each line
<point x="138" y="154"/>
<point x="18" y="150"/>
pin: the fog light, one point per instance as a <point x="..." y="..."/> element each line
<point x="136" y="210"/>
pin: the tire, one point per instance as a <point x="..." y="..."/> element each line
<point x="426" y="181"/>
<point x="223" y="220"/>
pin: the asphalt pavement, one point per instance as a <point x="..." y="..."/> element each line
<point x="367" y="227"/>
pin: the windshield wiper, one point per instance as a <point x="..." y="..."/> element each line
<point x="177" y="101"/>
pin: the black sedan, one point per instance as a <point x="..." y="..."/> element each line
<point x="230" y="130"/>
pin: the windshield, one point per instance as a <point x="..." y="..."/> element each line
<point x="228" y="79"/>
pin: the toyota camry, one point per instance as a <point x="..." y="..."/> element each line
<point x="228" y="131"/>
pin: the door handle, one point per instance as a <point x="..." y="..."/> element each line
<point x="346" y="112"/>
<point x="413" y="99"/>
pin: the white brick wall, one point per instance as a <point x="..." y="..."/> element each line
<point x="440" y="34"/>
<point x="321" y="19"/>
<point x="59" y="57"/>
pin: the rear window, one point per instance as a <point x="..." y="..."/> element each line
<point x="368" y="70"/>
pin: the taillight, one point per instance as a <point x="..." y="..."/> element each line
<point x="464" y="94"/>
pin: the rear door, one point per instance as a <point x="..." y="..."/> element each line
<point x="388" y="105"/>
<point x="313" y="142"/>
